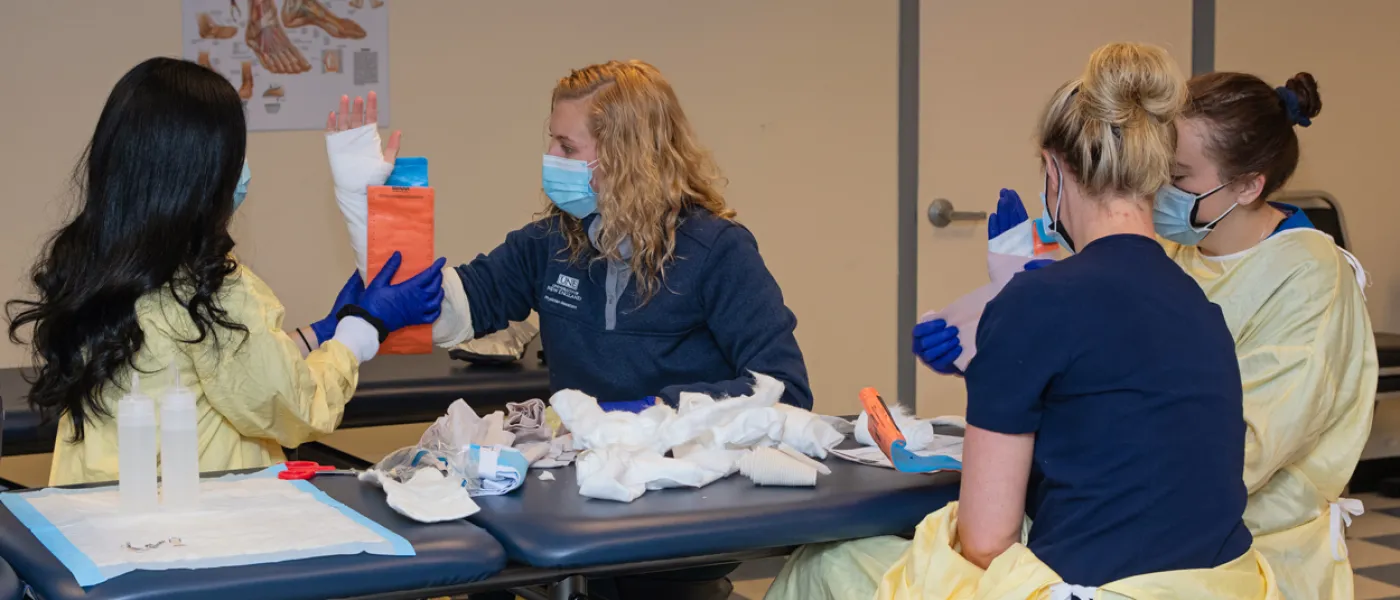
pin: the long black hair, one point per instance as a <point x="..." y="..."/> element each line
<point x="156" y="190"/>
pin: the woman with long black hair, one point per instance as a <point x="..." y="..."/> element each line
<point x="141" y="279"/>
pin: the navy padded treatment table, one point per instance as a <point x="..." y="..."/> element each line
<point x="393" y="390"/>
<point x="10" y="586"/>
<point x="547" y="524"/>
<point x="448" y="554"/>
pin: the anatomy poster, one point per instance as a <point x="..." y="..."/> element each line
<point x="291" y="60"/>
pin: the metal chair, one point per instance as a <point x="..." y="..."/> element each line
<point x="1322" y="209"/>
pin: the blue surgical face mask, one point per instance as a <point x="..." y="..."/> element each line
<point x="241" y="192"/>
<point x="569" y="185"/>
<point x="1174" y="211"/>
<point x="1052" y="223"/>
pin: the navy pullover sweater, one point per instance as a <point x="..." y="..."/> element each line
<point x="719" y="316"/>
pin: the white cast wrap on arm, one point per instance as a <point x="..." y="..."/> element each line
<point x="357" y="162"/>
<point x="454" y="326"/>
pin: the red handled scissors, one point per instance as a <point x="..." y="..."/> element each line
<point x="306" y="469"/>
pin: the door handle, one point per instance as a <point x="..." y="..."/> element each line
<point x="941" y="213"/>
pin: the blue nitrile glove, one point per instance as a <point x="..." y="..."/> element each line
<point x="1010" y="213"/>
<point x="632" y="406"/>
<point x="350" y="294"/>
<point x="936" y="344"/>
<point x="416" y="301"/>
<point x="1036" y="264"/>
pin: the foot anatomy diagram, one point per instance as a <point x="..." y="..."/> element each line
<point x="283" y="56"/>
<point x="330" y="61"/>
<point x="266" y="38"/>
<point x="208" y="29"/>
<point x="245" y="91"/>
<point x="301" y="13"/>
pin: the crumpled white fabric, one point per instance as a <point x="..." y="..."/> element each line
<point x="625" y="453"/>
<point x="558" y="452"/>
<point x="842" y="425"/>
<point x="469" y="456"/>
<point x="593" y="428"/>
<point x="357" y="163"/>
<point x="918" y="434"/>
<point x="427" y="497"/>
<point x="427" y="485"/>
<point x="461" y="427"/>
<point x="623" y="473"/>
<point x="526" y="421"/>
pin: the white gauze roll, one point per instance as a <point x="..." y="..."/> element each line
<point x="772" y="467"/>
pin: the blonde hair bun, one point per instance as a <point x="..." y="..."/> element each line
<point x="1124" y="81"/>
<point x="1113" y="127"/>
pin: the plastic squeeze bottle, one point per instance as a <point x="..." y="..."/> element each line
<point x="136" y="449"/>
<point x="179" y="447"/>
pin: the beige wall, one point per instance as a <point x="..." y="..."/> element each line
<point x="796" y="98"/>
<point x="988" y="69"/>
<point x="1352" y="148"/>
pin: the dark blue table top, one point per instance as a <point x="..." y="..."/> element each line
<point x="393" y="390"/>
<point x="548" y="524"/>
<point x="448" y="554"/>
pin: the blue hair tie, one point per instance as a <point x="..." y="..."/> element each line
<point x="1292" y="106"/>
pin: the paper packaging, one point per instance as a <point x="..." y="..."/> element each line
<point x="401" y="219"/>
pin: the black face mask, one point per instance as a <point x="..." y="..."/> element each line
<point x="1053" y="224"/>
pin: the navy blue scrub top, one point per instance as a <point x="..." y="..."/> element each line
<point x="1127" y="376"/>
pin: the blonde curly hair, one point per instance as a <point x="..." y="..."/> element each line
<point x="652" y="165"/>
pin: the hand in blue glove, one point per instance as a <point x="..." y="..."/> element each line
<point x="1037" y="264"/>
<point x="1010" y="213"/>
<point x="350" y="294"/>
<point x="936" y="344"/>
<point x="632" y="406"/>
<point x="416" y="301"/>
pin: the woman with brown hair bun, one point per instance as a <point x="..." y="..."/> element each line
<point x="1295" y="306"/>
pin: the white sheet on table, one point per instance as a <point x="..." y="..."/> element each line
<point x="238" y="521"/>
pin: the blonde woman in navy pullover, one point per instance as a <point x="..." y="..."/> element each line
<point x="645" y="285"/>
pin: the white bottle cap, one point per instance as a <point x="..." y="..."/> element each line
<point x="179" y="398"/>
<point x="135" y="407"/>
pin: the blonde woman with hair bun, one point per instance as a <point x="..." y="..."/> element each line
<point x="645" y="285"/>
<point x="1104" y="402"/>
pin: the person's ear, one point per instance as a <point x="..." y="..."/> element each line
<point x="1052" y="175"/>
<point x="1249" y="188"/>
